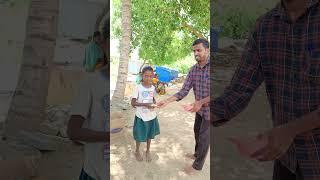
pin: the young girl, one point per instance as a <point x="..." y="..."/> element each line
<point x="146" y="125"/>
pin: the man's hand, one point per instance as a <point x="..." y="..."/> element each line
<point x="248" y="145"/>
<point x="279" y="139"/>
<point x="187" y="107"/>
<point x="267" y="146"/>
<point x="196" y="106"/>
<point x="162" y="104"/>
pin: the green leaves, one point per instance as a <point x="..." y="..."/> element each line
<point x="237" y="17"/>
<point x="237" y="23"/>
<point x="116" y="19"/>
<point x="164" y="30"/>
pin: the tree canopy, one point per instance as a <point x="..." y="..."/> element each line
<point x="164" y="30"/>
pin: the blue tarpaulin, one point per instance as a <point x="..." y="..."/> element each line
<point x="165" y="74"/>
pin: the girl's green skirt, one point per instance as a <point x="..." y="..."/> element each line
<point x="144" y="130"/>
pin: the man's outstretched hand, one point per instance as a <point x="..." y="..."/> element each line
<point x="162" y="104"/>
<point x="267" y="146"/>
<point x="278" y="140"/>
<point x="247" y="146"/>
<point x="187" y="107"/>
<point x="196" y="106"/>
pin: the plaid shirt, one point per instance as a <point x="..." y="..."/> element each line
<point x="198" y="79"/>
<point x="286" y="57"/>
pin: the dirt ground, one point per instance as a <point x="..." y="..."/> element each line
<point x="64" y="164"/>
<point x="226" y="163"/>
<point x="167" y="150"/>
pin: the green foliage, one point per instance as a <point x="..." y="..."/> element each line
<point x="183" y="65"/>
<point x="237" y="23"/>
<point x="116" y="19"/>
<point x="164" y="30"/>
<point x="237" y="17"/>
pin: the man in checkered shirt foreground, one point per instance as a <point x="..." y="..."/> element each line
<point x="283" y="51"/>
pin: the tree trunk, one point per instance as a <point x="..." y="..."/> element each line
<point x="27" y="109"/>
<point x="124" y="51"/>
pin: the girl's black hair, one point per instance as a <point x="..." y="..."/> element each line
<point x="147" y="68"/>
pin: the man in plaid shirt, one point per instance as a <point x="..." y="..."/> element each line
<point x="284" y="53"/>
<point x="198" y="79"/>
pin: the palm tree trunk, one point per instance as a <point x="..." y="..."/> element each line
<point x="27" y="109"/>
<point x="124" y="51"/>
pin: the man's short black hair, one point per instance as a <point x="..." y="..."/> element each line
<point x="96" y="34"/>
<point x="202" y="41"/>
